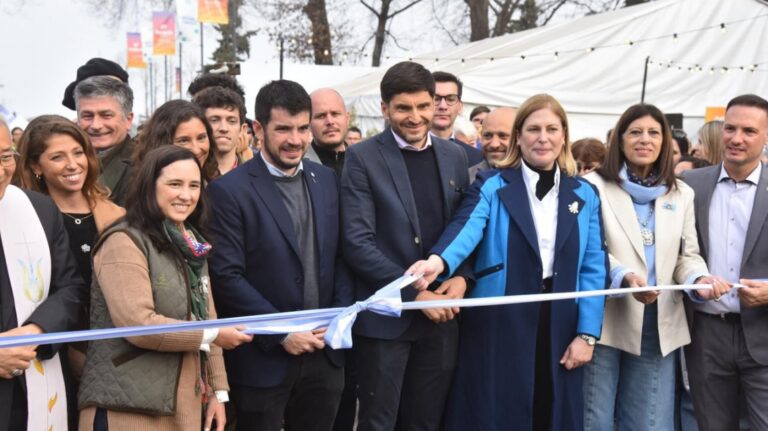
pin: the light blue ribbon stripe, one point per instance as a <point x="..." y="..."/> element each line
<point x="386" y="301"/>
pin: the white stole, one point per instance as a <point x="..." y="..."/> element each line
<point x="28" y="261"/>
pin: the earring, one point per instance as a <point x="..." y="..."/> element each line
<point x="38" y="177"/>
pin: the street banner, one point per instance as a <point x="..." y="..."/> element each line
<point x="135" y="52"/>
<point x="213" y="11"/>
<point x="164" y="31"/>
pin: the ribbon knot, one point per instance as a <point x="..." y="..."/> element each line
<point x="386" y="301"/>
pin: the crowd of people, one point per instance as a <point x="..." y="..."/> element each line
<point x="205" y="213"/>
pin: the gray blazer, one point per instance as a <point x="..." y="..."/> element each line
<point x="754" y="263"/>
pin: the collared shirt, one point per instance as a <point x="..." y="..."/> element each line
<point x="544" y="213"/>
<point x="406" y="146"/>
<point x="275" y="172"/>
<point x="729" y="214"/>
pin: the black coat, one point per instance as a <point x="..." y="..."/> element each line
<point x="60" y="311"/>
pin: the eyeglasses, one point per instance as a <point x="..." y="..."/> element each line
<point x="8" y="159"/>
<point x="450" y="99"/>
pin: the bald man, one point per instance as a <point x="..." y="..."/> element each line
<point x="329" y="124"/>
<point x="495" y="139"/>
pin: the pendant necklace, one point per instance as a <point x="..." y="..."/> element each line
<point x="78" y="220"/>
<point x="647" y="234"/>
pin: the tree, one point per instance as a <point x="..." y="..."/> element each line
<point x="232" y="43"/>
<point x="321" y="31"/>
<point x="383" y="18"/>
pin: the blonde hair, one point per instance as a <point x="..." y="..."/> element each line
<point x="514" y="156"/>
<point x="711" y="138"/>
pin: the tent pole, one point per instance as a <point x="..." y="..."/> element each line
<point x="645" y="78"/>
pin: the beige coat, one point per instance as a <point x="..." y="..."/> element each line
<point x="677" y="259"/>
<point x="124" y="278"/>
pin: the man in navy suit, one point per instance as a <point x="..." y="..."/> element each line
<point x="398" y="191"/>
<point x="275" y="225"/>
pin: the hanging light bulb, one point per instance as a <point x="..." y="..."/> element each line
<point x="590" y="49"/>
<point x="522" y="57"/>
<point x="674" y="37"/>
<point x="722" y="27"/>
<point x="462" y="62"/>
<point x="557" y="55"/>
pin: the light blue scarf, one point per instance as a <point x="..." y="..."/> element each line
<point x="642" y="199"/>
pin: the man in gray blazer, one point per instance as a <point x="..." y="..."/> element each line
<point x="728" y="354"/>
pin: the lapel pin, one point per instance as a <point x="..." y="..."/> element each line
<point x="574" y="207"/>
<point x="312" y="174"/>
<point x="669" y="206"/>
<point x="452" y="183"/>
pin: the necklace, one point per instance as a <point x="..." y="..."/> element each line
<point x="79" y="221"/>
<point x="647" y="234"/>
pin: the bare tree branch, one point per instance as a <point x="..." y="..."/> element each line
<point x="370" y="8"/>
<point x="442" y="26"/>
<point x="397" y="12"/>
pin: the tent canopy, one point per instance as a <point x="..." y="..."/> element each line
<point x="598" y="70"/>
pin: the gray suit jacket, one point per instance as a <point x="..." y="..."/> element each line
<point x="754" y="263"/>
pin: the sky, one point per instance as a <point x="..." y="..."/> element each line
<point x="43" y="42"/>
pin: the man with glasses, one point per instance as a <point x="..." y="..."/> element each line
<point x="448" y="106"/>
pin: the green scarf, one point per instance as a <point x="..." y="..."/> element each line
<point x="194" y="249"/>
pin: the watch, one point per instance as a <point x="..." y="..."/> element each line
<point x="589" y="339"/>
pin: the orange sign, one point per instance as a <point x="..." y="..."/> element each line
<point x="213" y="11"/>
<point x="714" y="113"/>
<point x="164" y="33"/>
<point x="135" y="52"/>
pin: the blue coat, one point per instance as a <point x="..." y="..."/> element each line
<point x="493" y="388"/>
<point x="255" y="266"/>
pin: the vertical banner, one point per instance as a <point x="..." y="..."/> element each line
<point x="164" y="31"/>
<point x="186" y="20"/>
<point x="178" y="80"/>
<point x="135" y="52"/>
<point x="213" y="11"/>
<point x="714" y="113"/>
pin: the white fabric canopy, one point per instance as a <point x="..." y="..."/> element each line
<point x="596" y="87"/>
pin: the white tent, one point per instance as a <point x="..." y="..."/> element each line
<point x="594" y="65"/>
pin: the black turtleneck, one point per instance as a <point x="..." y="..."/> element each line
<point x="330" y="158"/>
<point x="546" y="180"/>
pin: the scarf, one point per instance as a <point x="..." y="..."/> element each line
<point x="641" y="190"/>
<point x="546" y="180"/>
<point x="194" y="249"/>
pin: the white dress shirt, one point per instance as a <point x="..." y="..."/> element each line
<point x="403" y="145"/>
<point x="729" y="214"/>
<point x="544" y="213"/>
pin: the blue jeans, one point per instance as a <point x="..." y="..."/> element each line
<point x="638" y="392"/>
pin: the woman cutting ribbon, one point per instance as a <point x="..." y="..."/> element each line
<point x="537" y="229"/>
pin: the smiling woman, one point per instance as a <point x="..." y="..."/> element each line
<point x="180" y="123"/>
<point x="151" y="268"/>
<point x="57" y="159"/>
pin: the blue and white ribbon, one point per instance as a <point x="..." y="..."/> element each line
<point x="339" y="320"/>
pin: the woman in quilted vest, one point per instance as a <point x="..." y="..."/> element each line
<point x="150" y="268"/>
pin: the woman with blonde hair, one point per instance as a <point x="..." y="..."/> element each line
<point x="535" y="227"/>
<point x="710" y="144"/>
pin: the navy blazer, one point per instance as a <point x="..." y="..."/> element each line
<point x="255" y="265"/>
<point x="380" y="230"/>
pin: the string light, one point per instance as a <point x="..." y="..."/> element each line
<point x="628" y="42"/>
<point x="462" y="62"/>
